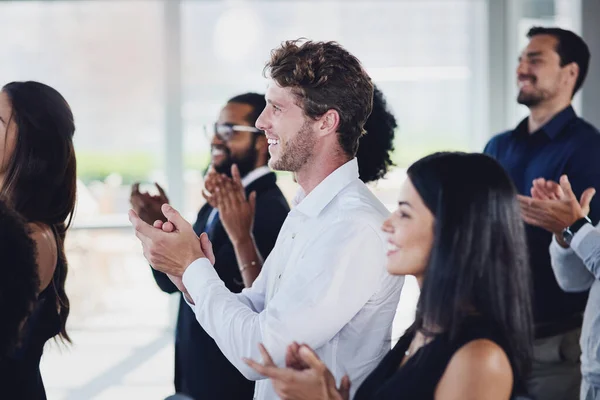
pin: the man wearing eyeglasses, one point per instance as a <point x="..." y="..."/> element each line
<point x="201" y="370"/>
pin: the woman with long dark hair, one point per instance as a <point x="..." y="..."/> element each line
<point x="458" y="230"/>
<point x="38" y="180"/>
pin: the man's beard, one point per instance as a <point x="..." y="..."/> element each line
<point x="246" y="162"/>
<point x="530" y="99"/>
<point x="297" y="151"/>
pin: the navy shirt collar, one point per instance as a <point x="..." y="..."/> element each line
<point x="553" y="127"/>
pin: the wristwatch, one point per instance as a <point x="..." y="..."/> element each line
<point x="569" y="232"/>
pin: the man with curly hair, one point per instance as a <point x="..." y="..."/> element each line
<point x="19" y="283"/>
<point x="325" y="282"/>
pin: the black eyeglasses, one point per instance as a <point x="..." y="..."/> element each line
<point x="225" y="132"/>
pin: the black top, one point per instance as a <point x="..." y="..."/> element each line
<point x="565" y="145"/>
<point x="201" y="369"/>
<point x="20" y="374"/>
<point x="419" y="377"/>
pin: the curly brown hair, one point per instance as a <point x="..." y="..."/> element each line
<point x="325" y="76"/>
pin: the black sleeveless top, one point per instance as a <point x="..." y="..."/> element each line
<point x="21" y="378"/>
<point x="419" y="376"/>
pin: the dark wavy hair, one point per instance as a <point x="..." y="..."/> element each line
<point x="375" y="147"/>
<point x="479" y="259"/>
<point x="41" y="178"/>
<point x="20" y="281"/>
<point x="325" y="76"/>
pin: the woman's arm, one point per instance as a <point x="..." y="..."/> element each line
<point x="47" y="252"/>
<point x="478" y="370"/>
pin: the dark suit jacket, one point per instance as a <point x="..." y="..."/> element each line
<point x="201" y="370"/>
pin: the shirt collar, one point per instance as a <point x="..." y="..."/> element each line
<point x="255" y="174"/>
<point x="553" y="127"/>
<point x="325" y="192"/>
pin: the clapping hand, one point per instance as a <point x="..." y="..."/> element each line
<point x="305" y="376"/>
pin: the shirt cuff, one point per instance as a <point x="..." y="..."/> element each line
<point x="558" y="249"/>
<point x="198" y="276"/>
<point x="581" y="234"/>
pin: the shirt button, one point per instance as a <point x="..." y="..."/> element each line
<point x="279" y="277"/>
<point x="293" y="235"/>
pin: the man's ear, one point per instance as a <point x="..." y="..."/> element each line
<point x="328" y="123"/>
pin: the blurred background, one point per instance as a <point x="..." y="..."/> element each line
<point x="144" y="76"/>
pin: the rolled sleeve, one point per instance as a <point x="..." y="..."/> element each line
<point x="569" y="269"/>
<point x="586" y="244"/>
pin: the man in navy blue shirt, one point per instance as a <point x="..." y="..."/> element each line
<point x="550" y="142"/>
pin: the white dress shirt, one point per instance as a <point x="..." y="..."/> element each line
<point x="324" y="284"/>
